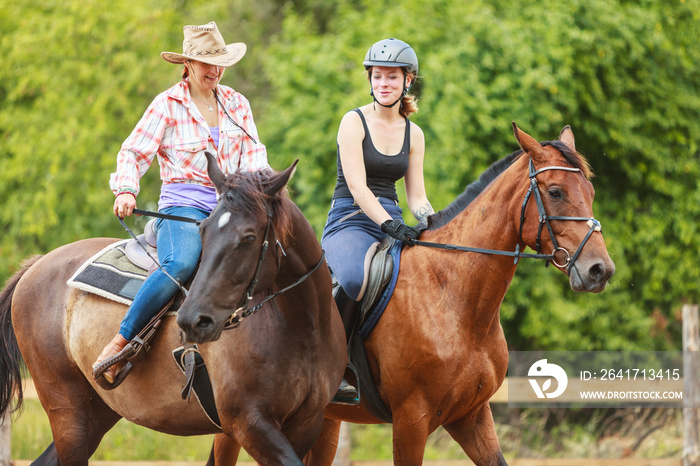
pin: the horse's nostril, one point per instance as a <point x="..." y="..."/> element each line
<point x="204" y="323"/>
<point x="597" y="272"/>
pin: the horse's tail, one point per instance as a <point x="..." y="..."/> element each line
<point x="10" y="356"/>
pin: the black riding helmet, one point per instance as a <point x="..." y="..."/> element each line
<point x="392" y="53"/>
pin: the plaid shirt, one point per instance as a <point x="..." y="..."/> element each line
<point x="173" y="129"/>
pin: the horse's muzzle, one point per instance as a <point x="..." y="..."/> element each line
<point x="591" y="275"/>
<point x="198" y="327"/>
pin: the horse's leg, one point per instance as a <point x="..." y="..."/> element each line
<point x="78" y="418"/>
<point x="477" y="437"/>
<point x="224" y="451"/>
<point x="263" y="439"/>
<point x="323" y="451"/>
<point x="410" y="434"/>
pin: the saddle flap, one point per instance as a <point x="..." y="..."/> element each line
<point x="380" y="272"/>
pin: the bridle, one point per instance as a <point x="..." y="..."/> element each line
<point x="544" y="220"/>
<point x="242" y="310"/>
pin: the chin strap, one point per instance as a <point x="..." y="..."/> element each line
<point x="388" y="106"/>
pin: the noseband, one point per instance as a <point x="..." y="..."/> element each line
<point x="544" y="219"/>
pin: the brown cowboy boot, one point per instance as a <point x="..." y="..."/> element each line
<point x="113" y="347"/>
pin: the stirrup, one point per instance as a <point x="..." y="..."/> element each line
<point x="346" y="395"/>
<point x="98" y="371"/>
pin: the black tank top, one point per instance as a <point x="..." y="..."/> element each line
<point x="383" y="171"/>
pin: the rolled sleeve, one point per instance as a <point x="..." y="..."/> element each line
<point x="139" y="150"/>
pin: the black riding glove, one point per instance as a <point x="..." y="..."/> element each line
<point x="402" y="232"/>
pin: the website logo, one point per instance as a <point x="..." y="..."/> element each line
<point x="541" y="369"/>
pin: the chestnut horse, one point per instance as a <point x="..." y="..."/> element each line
<point x="272" y="376"/>
<point x="438" y="353"/>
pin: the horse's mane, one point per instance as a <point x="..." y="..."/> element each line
<point x="245" y="193"/>
<point x="476" y="187"/>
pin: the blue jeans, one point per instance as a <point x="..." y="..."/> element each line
<point x="179" y="248"/>
<point x="347" y="237"/>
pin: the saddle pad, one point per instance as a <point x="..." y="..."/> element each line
<point x="110" y="274"/>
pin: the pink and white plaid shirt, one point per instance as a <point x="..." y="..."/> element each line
<point x="173" y="129"/>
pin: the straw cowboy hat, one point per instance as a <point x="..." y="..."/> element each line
<point x="206" y="44"/>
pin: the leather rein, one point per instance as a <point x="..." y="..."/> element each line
<point x="544" y="220"/>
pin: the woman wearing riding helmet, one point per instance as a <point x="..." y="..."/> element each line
<point x="377" y="146"/>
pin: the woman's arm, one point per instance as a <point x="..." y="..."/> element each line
<point x="135" y="157"/>
<point x="415" y="185"/>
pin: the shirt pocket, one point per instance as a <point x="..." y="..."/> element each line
<point x="233" y="140"/>
<point x="187" y="149"/>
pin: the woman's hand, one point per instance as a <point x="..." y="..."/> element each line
<point x="124" y="205"/>
<point x="399" y="230"/>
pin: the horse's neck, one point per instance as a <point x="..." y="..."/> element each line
<point x="299" y="255"/>
<point x="488" y="222"/>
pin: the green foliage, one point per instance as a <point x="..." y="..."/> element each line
<point x="623" y="75"/>
<point x="73" y="85"/>
<point x="77" y="76"/>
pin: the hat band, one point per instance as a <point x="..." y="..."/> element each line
<point x="211" y="53"/>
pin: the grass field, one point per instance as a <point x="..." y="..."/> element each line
<point x="555" y="433"/>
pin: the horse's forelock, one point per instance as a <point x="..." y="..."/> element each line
<point x="245" y="193"/>
<point x="573" y="158"/>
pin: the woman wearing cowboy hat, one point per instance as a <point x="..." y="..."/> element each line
<point x="377" y="146"/>
<point x="197" y="114"/>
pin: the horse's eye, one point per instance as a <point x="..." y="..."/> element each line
<point x="249" y="239"/>
<point x="555" y="193"/>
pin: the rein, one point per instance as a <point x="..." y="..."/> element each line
<point x="155" y="261"/>
<point x="543" y="218"/>
<point x="177" y="218"/>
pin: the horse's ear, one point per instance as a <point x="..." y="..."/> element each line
<point x="280" y="180"/>
<point x="528" y="143"/>
<point x="215" y="174"/>
<point x="567" y="137"/>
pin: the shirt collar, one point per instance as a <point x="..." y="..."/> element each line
<point x="181" y="92"/>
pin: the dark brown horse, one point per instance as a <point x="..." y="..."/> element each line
<point x="438" y="353"/>
<point x="272" y="376"/>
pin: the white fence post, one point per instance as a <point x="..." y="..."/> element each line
<point x="691" y="386"/>
<point x="6" y="440"/>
